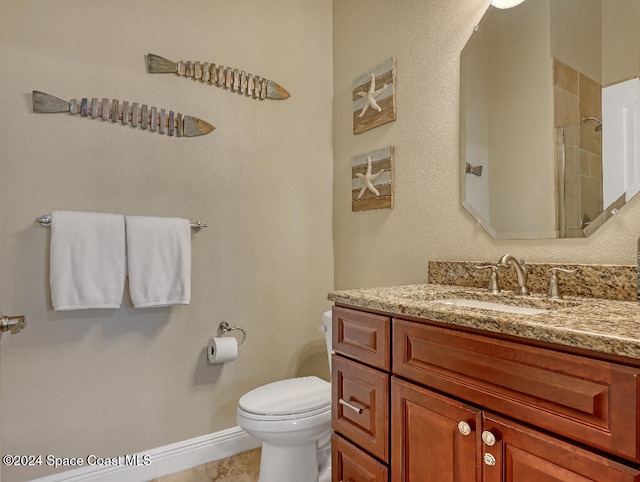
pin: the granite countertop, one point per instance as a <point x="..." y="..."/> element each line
<point x="600" y="325"/>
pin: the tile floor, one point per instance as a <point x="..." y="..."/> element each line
<point x="243" y="467"/>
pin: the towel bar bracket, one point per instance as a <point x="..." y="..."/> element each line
<point x="198" y="226"/>
<point x="14" y="324"/>
<point x="44" y="221"/>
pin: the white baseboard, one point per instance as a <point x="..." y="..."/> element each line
<point x="163" y="461"/>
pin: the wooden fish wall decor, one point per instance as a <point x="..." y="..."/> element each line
<point x="171" y="123"/>
<point x="228" y="78"/>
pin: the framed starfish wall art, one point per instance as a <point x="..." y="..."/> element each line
<point x="374" y="97"/>
<point x="372" y="180"/>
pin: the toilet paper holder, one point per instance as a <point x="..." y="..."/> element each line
<point x="224" y="327"/>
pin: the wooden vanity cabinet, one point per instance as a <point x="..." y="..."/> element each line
<point x="470" y="407"/>
<point x="360" y="396"/>
<point x="437" y="438"/>
<point x="590" y="401"/>
<point x="514" y="412"/>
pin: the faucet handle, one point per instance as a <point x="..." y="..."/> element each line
<point x="554" y="290"/>
<point x="493" y="279"/>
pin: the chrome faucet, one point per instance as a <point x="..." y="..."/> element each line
<point x="519" y="268"/>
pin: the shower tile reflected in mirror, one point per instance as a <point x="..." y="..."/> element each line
<point x="244" y="467"/>
<point x="577" y="101"/>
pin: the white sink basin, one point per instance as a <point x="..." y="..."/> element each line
<point x="487" y="305"/>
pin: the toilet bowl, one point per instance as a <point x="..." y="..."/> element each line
<point x="292" y="419"/>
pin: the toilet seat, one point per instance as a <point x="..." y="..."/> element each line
<point x="289" y="399"/>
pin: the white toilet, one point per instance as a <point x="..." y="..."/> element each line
<point x="292" y="418"/>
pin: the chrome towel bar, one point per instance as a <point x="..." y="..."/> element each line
<point x="45" y="221"/>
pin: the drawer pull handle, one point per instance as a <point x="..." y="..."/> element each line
<point x="488" y="438"/>
<point x="464" y="428"/>
<point x="489" y="460"/>
<point x="358" y="410"/>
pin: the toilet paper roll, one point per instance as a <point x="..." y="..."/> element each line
<point x="222" y="349"/>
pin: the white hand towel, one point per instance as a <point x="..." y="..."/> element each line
<point x="159" y="261"/>
<point x="87" y="260"/>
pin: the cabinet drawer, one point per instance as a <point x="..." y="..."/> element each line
<point x="362" y="336"/>
<point x="360" y="405"/>
<point x="349" y="463"/>
<point x="583" y="399"/>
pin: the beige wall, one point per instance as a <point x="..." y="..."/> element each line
<point x="390" y="247"/>
<point x="577" y="33"/>
<point x="121" y="381"/>
<point x="520" y="76"/>
<point x="112" y="382"/>
<point x="620" y="40"/>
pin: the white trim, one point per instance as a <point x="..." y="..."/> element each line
<point x="164" y="460"/>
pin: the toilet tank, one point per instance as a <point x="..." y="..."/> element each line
<point x="327" y="320"/>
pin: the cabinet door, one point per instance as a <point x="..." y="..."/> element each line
<point x="434" y="438"/>
<point x="350" y="464"/>
<point x="521" y="454"/>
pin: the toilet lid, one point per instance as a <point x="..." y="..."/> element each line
<point x="292" y="396"/>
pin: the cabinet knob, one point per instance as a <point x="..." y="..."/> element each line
<point x="489" y="460"/>
<point x="464" y="428"/>
<point x="488" y="438"/>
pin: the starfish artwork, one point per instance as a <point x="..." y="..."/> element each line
<point x="371" y="96"/>
<point x="368" y="179"/>
<point x="371" y="190"/>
